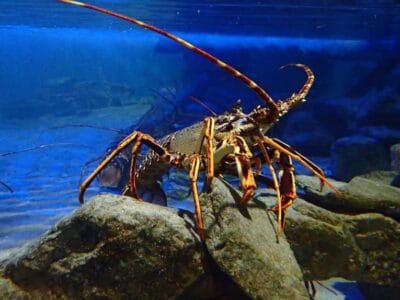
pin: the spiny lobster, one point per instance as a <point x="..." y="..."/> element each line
<point x="221" y="143"/>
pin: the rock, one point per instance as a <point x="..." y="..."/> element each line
<point x="395" y="157"/>
<point x="243" y="243"/>
<point x="112" y="247"/>
<point x="368" y="195"/>
<point x="383" y="177"/>
<point x="364" y="247"/>
<point x="358" y="196"/>
<point x="355" y="155"/>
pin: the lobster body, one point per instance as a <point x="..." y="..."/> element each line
<point x="151" y="168"/>
<point x="233" y="143"/>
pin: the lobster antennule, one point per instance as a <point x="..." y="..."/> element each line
<point x="296" y="98"/>
<point x="250" y="83"/>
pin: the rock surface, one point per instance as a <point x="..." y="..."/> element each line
<point x="117" y="248"/>
<point x="243" y="243"/>
<point x="364" y="247"/>
<point x="112" y="247"/>
<point x="368" y="193"/>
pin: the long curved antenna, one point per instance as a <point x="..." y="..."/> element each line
<point x="250" y="83"/>
<point x="296" y="98"/>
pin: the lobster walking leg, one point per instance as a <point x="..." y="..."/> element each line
<point x="287" y="186"/>
<point x="286" y="149"/>
<point x="121" y="146"/>
<point x="243" y="165"/>
<point x="193" y="174"/>
<point x="150" y="142"/>
<point x="138" y="138"/>
<point x="275" y="183"/>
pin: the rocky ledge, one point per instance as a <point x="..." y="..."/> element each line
<point x="118" y="248"/>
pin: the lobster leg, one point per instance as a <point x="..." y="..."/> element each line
<point x="243" y="165"/>
<point x="161" y="151"/>
<point x="287" y="186"/>
<point x="138" y="138"/>
<point x="275" y="183"/>
<point x="121" y="146"/>
<point x="286" y="149"/>
<point x="193" y="173"/>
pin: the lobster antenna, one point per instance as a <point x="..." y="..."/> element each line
<point x="250" y="83"/>
<point x="296" y="98"/>
<point x="204" y="105"/>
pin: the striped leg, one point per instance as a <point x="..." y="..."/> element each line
<point x="138" y="139"/>
<point x="243" y="164"/>
<point x="275" y="183"/>
<point x="287" y="186"/>
<point x="288" y="150"/>
<point x="193" y="174"/>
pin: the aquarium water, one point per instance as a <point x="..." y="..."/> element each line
<point x="74" y="82"/>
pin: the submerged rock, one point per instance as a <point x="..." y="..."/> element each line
<point x="368" y="193"/>
<point x="112" y="247"/>
<point x="242" y="240"/>
<point x="364" y="247"/>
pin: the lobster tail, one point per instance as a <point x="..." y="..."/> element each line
<point x="285" y="105"/>
<point x="246" y="80"/>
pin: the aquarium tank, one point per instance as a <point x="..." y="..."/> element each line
<point x="262" y="102"/>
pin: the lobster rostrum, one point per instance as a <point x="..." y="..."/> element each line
<point x="232" y="142"/>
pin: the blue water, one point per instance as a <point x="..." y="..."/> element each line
<point x="62" y="66"/>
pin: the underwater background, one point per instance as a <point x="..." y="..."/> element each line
<point x="75" y="82"/>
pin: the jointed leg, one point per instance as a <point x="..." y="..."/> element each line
<point x="121" y="146"/>
<point x="287" y="185"/>
<point x="243" y="164"/>
<point x="138" y="139"/>
<point x="275" y="183"/>
<point x="286" y="149"/>
<point x="194" y="171"/>
<point x="152" y="143"/>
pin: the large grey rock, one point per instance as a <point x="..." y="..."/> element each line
<point x="371" y="192"/>
<point x="363" y="247"/>
<point x="112" y="247"/>
<point x="243" y="242"/>
<point x="356" y="155"/>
